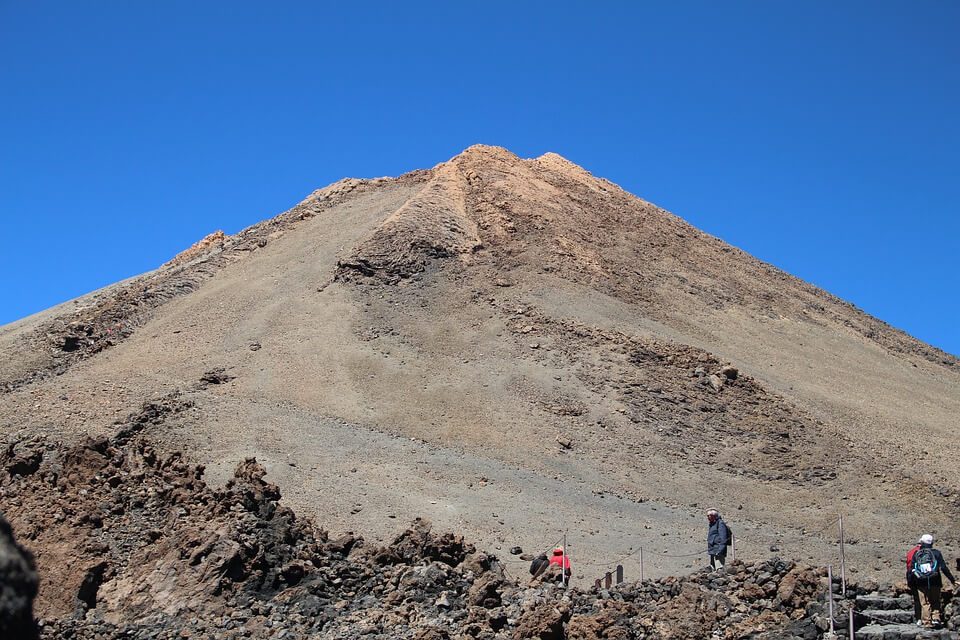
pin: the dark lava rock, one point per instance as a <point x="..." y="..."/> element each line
<point x="18" y="586"/>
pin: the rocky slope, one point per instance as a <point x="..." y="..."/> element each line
<point x="132" y="544"/>
<point x="511" y="348"/>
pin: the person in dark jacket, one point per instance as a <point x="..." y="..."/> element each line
<point x="912" y="582"/>
<point x="718" y="538"/>
<point x="926" y="566"/>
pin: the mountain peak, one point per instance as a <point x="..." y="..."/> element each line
<point x="437" y="344"/>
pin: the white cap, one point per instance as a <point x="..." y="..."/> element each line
<point x="926" y="538"/>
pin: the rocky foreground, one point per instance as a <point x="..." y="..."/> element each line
<point x="130" y="542"/>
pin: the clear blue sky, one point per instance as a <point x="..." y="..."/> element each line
<point x="822" y="137"/>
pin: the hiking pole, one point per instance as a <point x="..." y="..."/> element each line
<point x="733" y="549"/>
<point x="843" y="563"/>
<point x="641" y="564"/>
<point x="852" y="636"/>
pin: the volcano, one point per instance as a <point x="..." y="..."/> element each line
<point x="518" y="351"/>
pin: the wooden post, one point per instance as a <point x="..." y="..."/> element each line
<point x="619" y="573"/>
<point x="608" y="580"/>
<point x="830" y="596"/>
<point x="843" y="563"/>
<point x="641" y="564"/>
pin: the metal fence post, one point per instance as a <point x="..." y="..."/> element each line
<point x="830" y="596"/>
<point x="843" y="562"/>
<point x="563" y="563"/>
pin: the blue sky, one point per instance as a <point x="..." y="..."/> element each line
<point x="822" y="137"/>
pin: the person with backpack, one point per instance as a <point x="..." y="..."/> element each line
<point x="926" y="565"/>
<point x="543" y="569"/>
<point x="718" y="539"/>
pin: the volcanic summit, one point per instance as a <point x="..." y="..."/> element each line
<point x="517" y="350"/>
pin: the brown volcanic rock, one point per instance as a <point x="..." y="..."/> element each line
<point x="167" y="557"/>
<point x="130" y="531"/>
<point x="198" y="249"/>
<point x="543" y="622"/>
<point x="432" y="224"/>
<point x="419" y="541"/>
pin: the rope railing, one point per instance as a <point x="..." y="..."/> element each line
<point x="607" y="578"/>
<point x="615" y="565"/>
<point x="547" y="551"/>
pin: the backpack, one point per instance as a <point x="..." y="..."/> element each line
<point x="729" y="539"/>
<point x="539" y="565"/>
<point x="925" y="563"/>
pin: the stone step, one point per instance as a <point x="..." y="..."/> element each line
<point x="903" y="632"/>
<point x="876" y="601"/>
<point x="888" y="616"/>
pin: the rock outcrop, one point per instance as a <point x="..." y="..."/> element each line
<point x="156" y="553"/>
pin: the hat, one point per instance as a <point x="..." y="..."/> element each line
<point x="926" y="538"/>
<point x="558" y="550"/>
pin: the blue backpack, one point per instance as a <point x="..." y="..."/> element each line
<point x="925" y="565"/>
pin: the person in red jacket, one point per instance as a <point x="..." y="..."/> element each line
<point x="560" y="558"/>
<point x="912" y="581"/>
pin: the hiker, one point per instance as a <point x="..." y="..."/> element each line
<point x="912" y="583"/>
<point x="562" y="560"/>
<point x="926" y="566"/>
<point x="545" y="569"/>
<point x="718" y="539"/>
